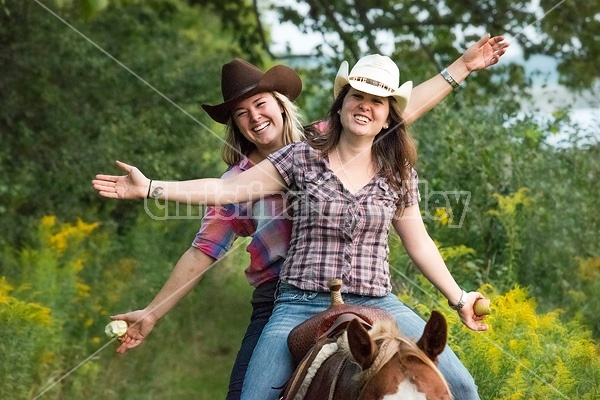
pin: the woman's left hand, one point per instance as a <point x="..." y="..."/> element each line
<point x="467" y="313"/>
<point x="487" y="51"/>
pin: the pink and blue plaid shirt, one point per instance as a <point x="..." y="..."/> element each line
<point x="266" y="220"/>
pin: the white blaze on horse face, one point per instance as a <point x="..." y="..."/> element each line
<point x="406" y="391"/>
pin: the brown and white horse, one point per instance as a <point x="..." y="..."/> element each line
<point x="361" y="361"/>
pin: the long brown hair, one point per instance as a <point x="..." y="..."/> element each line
<point x="236" y="145"/>
<point x="394" y="150"/>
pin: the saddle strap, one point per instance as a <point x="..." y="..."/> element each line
<point x="294" y="385"/>
<point x="336" y="376"/>
<point x="342" y="322"/>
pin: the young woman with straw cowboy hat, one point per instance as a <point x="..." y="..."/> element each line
<point x="259" y="121"/>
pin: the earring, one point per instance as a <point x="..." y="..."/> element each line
<point x="339" y="112"/>
<point x="386" y="126"/>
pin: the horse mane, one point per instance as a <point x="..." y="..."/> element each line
<point x="390" y="342"/>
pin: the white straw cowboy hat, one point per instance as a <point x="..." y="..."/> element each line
<point x="374" y="74"/>
<point x="241" y="80"/>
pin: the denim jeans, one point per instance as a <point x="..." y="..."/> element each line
<point x="262" y="307"/>
<point x="271" y="364"/>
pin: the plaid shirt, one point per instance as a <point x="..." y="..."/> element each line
<point x="264" y="220"/>
<point x="337" y="234"/>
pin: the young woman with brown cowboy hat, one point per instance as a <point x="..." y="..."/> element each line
<point x="261" y="120"/>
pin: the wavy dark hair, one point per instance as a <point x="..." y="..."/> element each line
<point x="394" y="151"/>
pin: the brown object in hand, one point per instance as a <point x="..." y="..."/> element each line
<point x="482" y="307"/>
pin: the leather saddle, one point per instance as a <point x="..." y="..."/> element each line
<point x="306" y="340"/>
<point x="329" y="323"/>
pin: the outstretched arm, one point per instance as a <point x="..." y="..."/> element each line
<point x="426" y="256"/>
<point x="486" y="52"/>
<point x="259" y="181"/>
<point x="186" y="274"/>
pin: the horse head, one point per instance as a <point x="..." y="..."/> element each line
<point x="393" y="366"/>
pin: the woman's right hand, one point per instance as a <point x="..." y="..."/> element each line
<point x="134" y="185"/>
<point x="467" y="313"/>
<point x="141" y="323"/>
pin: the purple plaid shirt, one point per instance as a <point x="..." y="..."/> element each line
<point x="265" y="220"/>
<point x="337" y="234"/>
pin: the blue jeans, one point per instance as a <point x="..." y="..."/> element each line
<point x="271" y="364"/>
<point x="262" y="306"/>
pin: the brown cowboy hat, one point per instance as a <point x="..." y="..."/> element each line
<point x="240" y="80"/>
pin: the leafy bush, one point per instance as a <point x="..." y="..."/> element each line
<point x="27" y="331"/>
<point x="72" y="109"/>
<point x="67" y="281"/>
<point x="524" y="354"/>
<point x="529" y="355"/>
<point x="531" y="210"/>
<point x="51" y="320"/>
<point x="584" y="306"/>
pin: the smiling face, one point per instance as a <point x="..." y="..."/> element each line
<point x="364" y="114"/>
<point x="259" y="118"/>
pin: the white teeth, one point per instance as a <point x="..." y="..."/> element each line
<point x="260" y="127"/>
<point x="361" y="118"/>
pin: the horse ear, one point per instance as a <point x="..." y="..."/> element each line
<point x="361" y="346"/>
<point x="434" y="336"/>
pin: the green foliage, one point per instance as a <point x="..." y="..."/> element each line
<point x="73" y="108"/>
<point x="585" y="303"/>
<point x="431" y="31"/>
<point x="509" y="214"/>
<point x="534" y="240"/>
<point x="25" y="328"/>
<point x="190" y="353"/>
<point x="127" y="82"/>
<point x="53" y="312"/>
<point x="241" y="20"/>
<point x="529" y="355"/>
<point x="525" y="354"/>
<point x="89" y="8"/>
<point x="52" y="317"/>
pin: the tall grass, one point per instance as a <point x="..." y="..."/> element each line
<point x="57" y="297"/>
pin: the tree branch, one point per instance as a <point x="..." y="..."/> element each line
<point x="348" y="41"/>
<point x="260" y="29"/>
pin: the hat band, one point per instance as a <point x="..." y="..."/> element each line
<point x="372" y="82"/>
